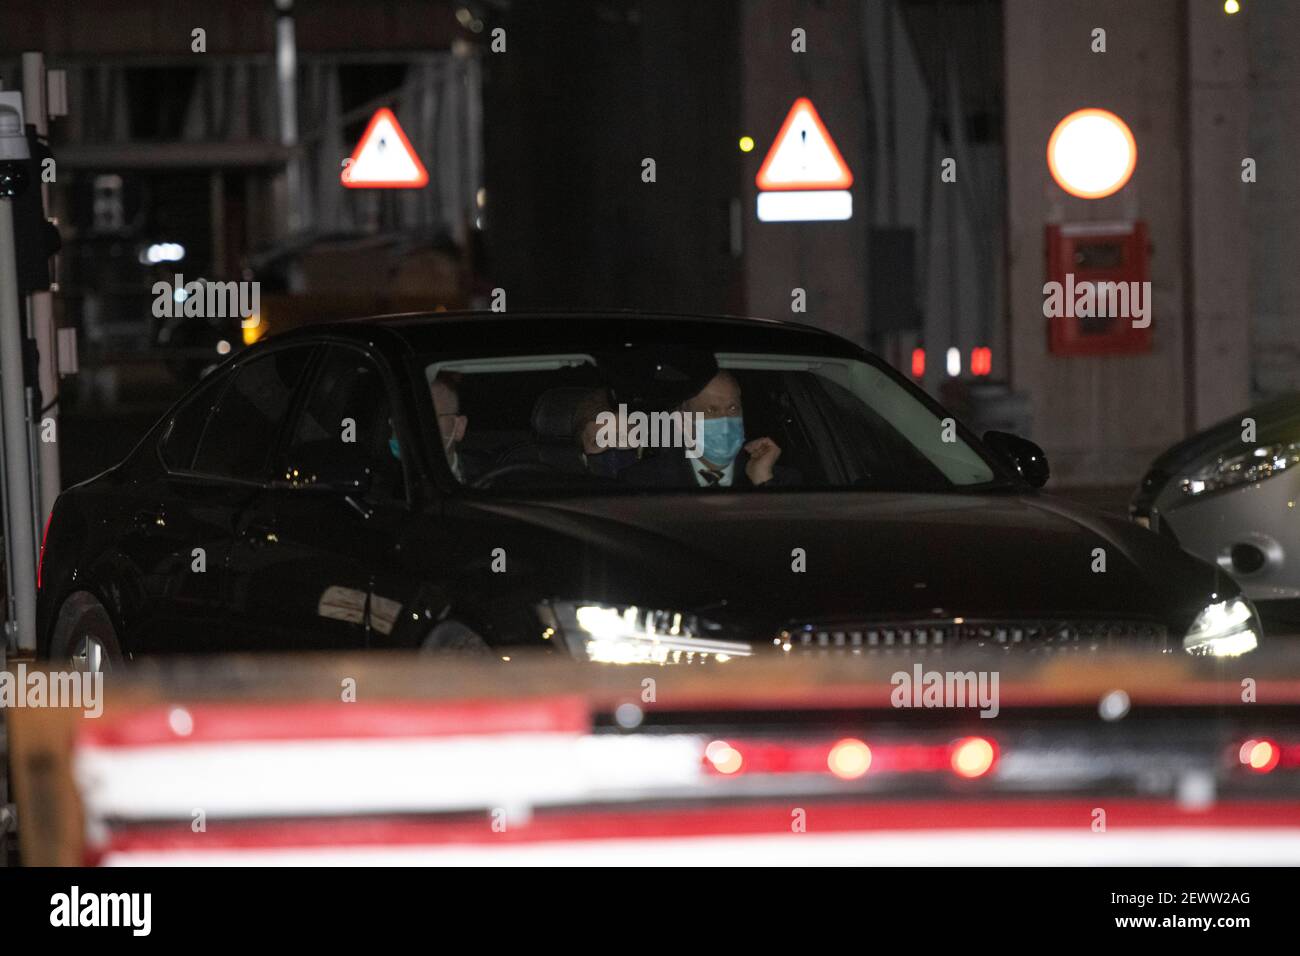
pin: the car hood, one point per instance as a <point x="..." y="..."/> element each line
<point x="1275" y="421"/>
<point x="870" y="554"/>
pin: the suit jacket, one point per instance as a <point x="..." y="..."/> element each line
<point x="671" y="469"/>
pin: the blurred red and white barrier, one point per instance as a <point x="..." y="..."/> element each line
<point x="530" y="782"/>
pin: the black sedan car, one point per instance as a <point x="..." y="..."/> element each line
<point x="620" y="488"/>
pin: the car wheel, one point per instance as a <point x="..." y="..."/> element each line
<point x="84" y="636"/>
<point x="452" y="638"/>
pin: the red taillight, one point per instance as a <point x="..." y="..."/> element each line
<point x="981" y="360"/>
<point x="918" y="363"/>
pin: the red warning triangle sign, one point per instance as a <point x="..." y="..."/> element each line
<point x="803" y="155"/>
<point x="384" y="158"/>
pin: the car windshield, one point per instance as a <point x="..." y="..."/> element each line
<point x="691" y="419"/>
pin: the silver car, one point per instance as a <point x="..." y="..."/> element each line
<point x="1233" y="500"/>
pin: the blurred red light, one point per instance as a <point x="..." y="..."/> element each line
<point x="918" y="363"/>
<point x="973" y="757"/>
<point x="724" y="758"/>
<point x="1260" y="755"/>
<point x="849" y="759"/>
<point x="981" y="360"/>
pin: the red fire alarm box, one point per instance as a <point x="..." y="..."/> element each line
<point x="1097" y="299"/>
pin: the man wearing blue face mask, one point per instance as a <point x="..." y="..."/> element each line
<point x="726" y="459"/>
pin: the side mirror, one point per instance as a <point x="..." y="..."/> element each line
<point x="1021" y="454"/>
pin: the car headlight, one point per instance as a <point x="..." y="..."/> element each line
<point x="1247" y="468"/>
<point x="627" y="634"/>
<point x="1226" y="629"/>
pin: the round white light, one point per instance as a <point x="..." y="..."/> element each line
<point x="1091" y="153"/>
<point x="629" y="716"/>
<point x="1114" y="705"/>
<point x="181" y="721"/>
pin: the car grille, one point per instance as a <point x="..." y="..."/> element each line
<point x="1022" y="635"/>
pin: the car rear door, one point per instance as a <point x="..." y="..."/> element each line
<point x="306" y="556"/>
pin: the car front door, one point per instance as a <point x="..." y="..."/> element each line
<point x="311" y="544"/>
<point x="180" y="524"/>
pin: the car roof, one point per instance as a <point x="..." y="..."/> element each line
<point x="433" y="331"/>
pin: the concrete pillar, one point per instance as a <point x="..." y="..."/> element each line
<point x="1100" y="419"/>
<point x="1273" y="203"/>
<point x="1219" y="260"/>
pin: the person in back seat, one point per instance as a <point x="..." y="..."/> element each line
<point x="597" y="459"/>
<point x="565" y="429"/>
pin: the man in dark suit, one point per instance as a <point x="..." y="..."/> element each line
<point x="726" y="459"/>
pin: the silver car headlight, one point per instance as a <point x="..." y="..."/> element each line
<point x="1226" y="629"/>
<point x="627" y="634"/>
<point x="1249" y="467"/>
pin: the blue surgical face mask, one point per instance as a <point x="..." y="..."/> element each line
<point x="721" y="439"/>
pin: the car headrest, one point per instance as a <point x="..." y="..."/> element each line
<point x="553" y="413"/>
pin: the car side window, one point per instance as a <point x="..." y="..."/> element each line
<point x="348" y="416"/>
<point x="182" y="438"/>
<point x="244" y="425"/>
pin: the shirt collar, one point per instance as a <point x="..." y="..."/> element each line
<point x="698" y="468"/>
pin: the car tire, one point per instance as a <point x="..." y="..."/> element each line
<point x="452" y="638"/>
<point x="84" y="636"/>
